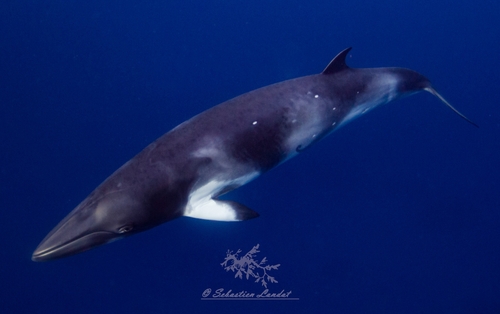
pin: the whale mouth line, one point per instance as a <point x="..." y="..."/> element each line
<point x="74" y="246"/>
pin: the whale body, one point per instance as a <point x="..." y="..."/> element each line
<point x="184" y="171"/>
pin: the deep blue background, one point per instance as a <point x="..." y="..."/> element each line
<point x="398" y="212"/>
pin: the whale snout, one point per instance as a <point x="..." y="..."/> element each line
<point x="76" y="233"/>
<point x="89" y="225"/>
<point x="55" y="247"/>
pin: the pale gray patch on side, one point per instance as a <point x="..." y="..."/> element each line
<point x="306" y="123"/>
<point x="381" y="91"/>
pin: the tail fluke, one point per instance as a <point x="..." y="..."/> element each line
<point x="435" y="93"/>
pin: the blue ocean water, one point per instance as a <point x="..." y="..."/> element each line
<point x="397" y="212"/>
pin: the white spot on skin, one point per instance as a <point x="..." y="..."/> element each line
<point x="334" y="108"/>
<point x="316" y="96"/>
<point x="254" y="123"/>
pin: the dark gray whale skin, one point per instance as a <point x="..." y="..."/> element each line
<point x="184" y="171"/>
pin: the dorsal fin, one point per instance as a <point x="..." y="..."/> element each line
<point x="338" y="63"/>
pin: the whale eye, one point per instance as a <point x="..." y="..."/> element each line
<point x="125" y="229"/>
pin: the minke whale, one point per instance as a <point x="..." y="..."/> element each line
<point x="184" y="172"/>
